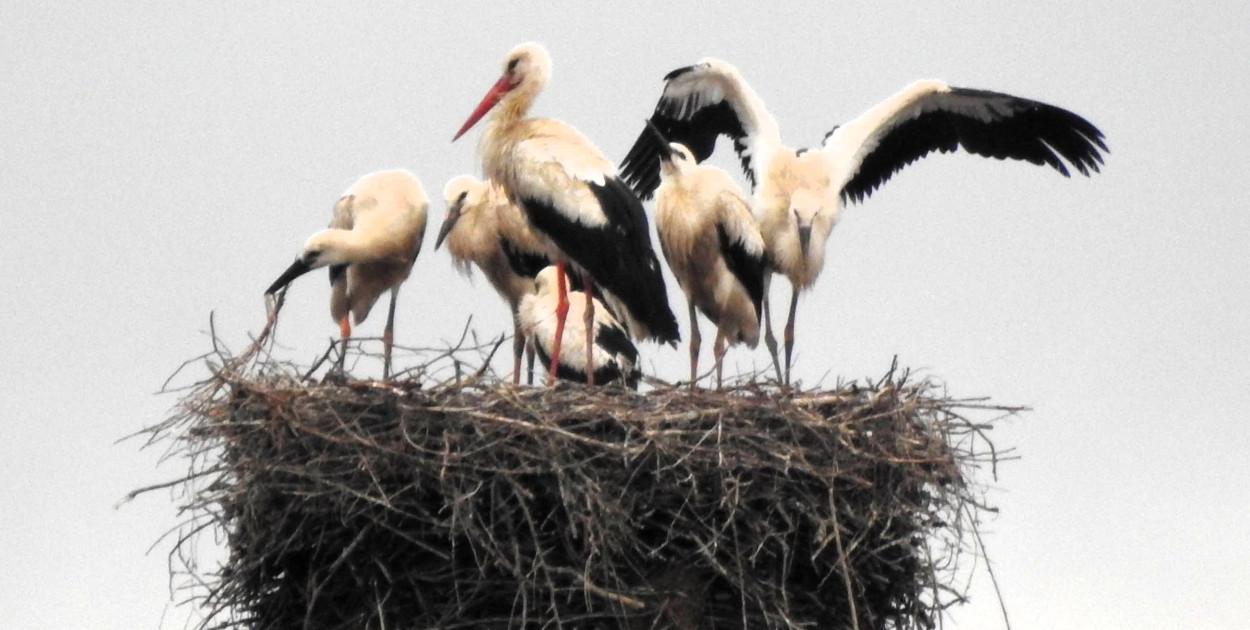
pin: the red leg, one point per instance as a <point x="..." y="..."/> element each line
<point x="562" y="311"/>
<point x="345" y="333"/>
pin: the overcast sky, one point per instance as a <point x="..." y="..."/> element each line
<point x="158" y="163"/>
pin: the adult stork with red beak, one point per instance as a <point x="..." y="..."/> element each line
<point x="573" y="198"/>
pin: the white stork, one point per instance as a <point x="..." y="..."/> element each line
<point x="373" y="240"/>
<point x="798" y="194"/>
<point x="483" y="228"/>
<point x="713" y="245"/>
<point x="573" y="197"/>
<point x="612" y="356"/>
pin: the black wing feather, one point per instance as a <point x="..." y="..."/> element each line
<point x="618" y="255"/>
<point x="523" y="263"/>
<point x="615" y="341"/>
<point x="749" y="269"/>
<point x="603" y="375"/>
<point x="681" y="121"/>
<point x="1031" y="131"/>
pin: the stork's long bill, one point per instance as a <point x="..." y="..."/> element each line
<point x="453" y="215"/>
<point x="492" y="97"/>
<point x="666" y="151"/>
<point x="297" y="269"/>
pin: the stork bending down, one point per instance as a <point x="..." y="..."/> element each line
<point x="612" y="355"/>
<point x="572" y="197"/>
<point x="798" y="194"/>
<point x="372" y="242"/>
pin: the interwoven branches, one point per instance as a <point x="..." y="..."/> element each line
<point x="389" y="505"/>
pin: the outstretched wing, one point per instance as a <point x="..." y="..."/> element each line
<point x="699" y="103"/>
<point x="931" y="116"/>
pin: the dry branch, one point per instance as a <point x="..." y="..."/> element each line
<point x="457" y="504"/>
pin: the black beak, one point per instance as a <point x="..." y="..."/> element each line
<point x="666" y="151"/>
<point x="453" y="215"/>
<point x="297" y="269"/>
<point x="805" y="233"/>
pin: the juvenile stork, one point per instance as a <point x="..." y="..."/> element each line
<point x="373" y="240"/>
<point x="573" y="197"/>
<point x="483" y="228"/>
<point x="798" y="194"/>
<point x="611" y="355"/>
<point x="713" y="246"/>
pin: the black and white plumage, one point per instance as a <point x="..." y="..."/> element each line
<point x="573" y="197"/>
<point x="714" y="249"/>
<point x="370" y="247"/>
<point x="798" y="194"/>
<point x="613" y="355"/>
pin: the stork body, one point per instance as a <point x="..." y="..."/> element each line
<point x="370" y="246"/>
<point x="483" y="228"/>
<point x="714" y="248"/>
<point x="572" y="196"/>
<point x="798" y="194"/>
<point x="612" y="356"/>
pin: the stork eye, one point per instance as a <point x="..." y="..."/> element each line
<point x="460" y="199"/>
<point x="512" y="64"/>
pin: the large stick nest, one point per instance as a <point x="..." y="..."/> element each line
<point x="392" y="505"/>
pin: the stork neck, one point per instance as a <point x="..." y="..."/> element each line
<point x="340" y="246"/>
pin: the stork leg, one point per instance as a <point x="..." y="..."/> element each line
<point x="769" y="339"/>
<point x="789" y="332"/>
<point x="388" y="336"/>
<point x="345" y="334"/>
<point x="562" y="311"/>
<point x="529" y="361"/>
<point x="518" y="348"/>
<point x="695" y="340"/>
<point x="718" y="351"/>
<point x="589" y="321"/>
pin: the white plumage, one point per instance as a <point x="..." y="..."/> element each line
<point x="612" y="355"/>
<point x="715" y="250"/>
<point x="798" y="194"/>
<point x="572" y="196"/>
<point x="484" y="229"/>
<point x="373" y="240"/>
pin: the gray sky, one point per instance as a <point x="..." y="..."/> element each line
<point x="162" y="163"/>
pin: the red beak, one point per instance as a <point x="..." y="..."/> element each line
<point x="492" y="97"/>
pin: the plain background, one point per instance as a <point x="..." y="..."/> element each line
<point x="160" y="162"/>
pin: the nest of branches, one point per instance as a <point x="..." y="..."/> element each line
<point x="475" y="504"/>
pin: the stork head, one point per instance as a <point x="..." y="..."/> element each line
<point x="678" y="159"/>
<point x="545" y="281"/>
<point x="674" y="156"/>
<point x="460" y="193"/>
<point x="805" y="206"/>
<point x="526" y="70"/>
<point x="327" y="247"/>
